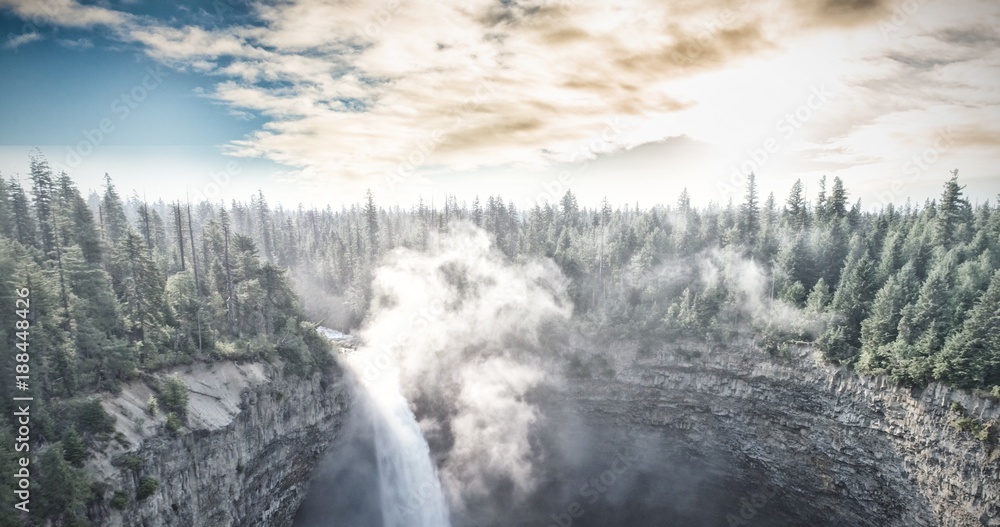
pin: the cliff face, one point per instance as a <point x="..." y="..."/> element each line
<point x="748" y="440"/>
<point x="244" y="458"/>
<point x="798" y="442"/>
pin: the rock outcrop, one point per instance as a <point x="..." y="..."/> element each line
<point x="795" y="441"/>
<point x="244" y="457"/>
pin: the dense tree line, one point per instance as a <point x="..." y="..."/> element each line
<point x="119" y="289"/>
<point x="910" y="292"/>
<point x="121" y="286"/>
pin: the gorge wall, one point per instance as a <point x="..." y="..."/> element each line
<point x="672" y="437"/>
<point x="741" y="438"/>
<point x="252" y="438"/>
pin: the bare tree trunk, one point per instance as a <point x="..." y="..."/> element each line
<point x="197" y="280"/>
<point x="145" y="227"/>
<point x="180" y="232"/>
<point x="230" y="298"/>
<point x="194" y="254"/>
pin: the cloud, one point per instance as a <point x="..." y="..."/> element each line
<point x="80" y="43"/>
<point x="843" y="12"/>
<point x="65" y="13"/>
<point x="22" y="39"/>
<point x="354" y="90"/>
<point x="190" y="43"/>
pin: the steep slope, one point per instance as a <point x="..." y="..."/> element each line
<point x="244" y="459"/>
<point x="794" y="441"/>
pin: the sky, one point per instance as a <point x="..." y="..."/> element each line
<point x="315" y="101"/>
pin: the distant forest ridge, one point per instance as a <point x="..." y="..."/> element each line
<point x="903" y="291"/>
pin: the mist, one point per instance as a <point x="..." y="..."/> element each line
<point x="487" y="351"/>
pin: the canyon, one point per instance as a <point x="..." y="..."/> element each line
<point x="684" y="435"/>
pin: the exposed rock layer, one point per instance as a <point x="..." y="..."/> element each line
<point x="827" y="446"/>
<point x="252" y="438"/>
<point x="835" y="448"/>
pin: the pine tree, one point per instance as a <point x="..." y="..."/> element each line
<point x="140" y="289"/>
<point x="750" y="212"/>
<point x="569" y="208"/>
<point x="851" y="302"/>
<point x="822" y="206"/>
<point x="795" y="206"/>
<point x="788" y="266"/>
<point x="837" y="206"/>
<point x="77" y="221"/>
<point x="880" y="327"/>
<point x="683" y="202"/>
<point x="115" y="222"/>
<point x="63" y="489"/>
<point x="24" y="224"/>
<point x="8" y="465"/>
<point x="477" y="212"/>
<point x="952" y="212"/>
<point x="971" y="357"/>
<point x="371" y="222"/>
<point x="6" y="211"/>
<point x="42" y="188"/>
<point x="74" y="451"/>
<point x="923" y="326"/>
<point x="819" y="297"/>
<point x="263" y="224"/>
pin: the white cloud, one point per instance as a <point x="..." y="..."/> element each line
<point x="354" y="89"/>
<point x="80" y="43"/>
<point x="14" y="42"/>
<point x="65" y="13"/>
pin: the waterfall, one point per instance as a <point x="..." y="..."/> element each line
<point x="409" y="488"/>
<point x="408" y="482"/>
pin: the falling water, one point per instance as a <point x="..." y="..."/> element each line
<point x="408" y="483"/>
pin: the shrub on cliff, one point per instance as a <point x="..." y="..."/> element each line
<point x="119" y="501"/>
<point x="174" y="395"/>
<point x="91" y="417"/>
<point x="74" y="450"/>
<point x="147" y="487"/>
<point x="173" y="423"/>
